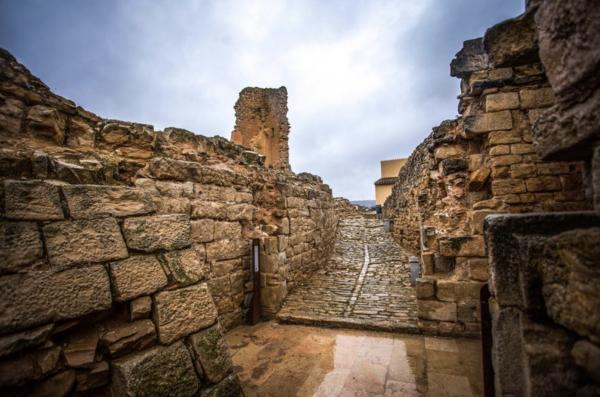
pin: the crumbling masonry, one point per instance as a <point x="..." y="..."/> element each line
<point x="526" y="143"/>
<point x="125" y="252"/>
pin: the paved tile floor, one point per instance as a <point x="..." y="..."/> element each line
<point x="365" y="284"/>
<point x="293" y="360"/>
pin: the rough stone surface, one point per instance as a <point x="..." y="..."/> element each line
<point x="160" y="371"/>
<point x="140" y="308"/>
<point x="32" y="200"/>
<point x="212" y="354"/>
<point x="36" y="298"/>
<point x="154" y="233"/>
<point x="20" y="245"/>
<point x="13" y="343"/>
<point x="228" y="387"/>
<point x="183" y="311"/>
<point x="71" y="242"/>
<point x="122" y="338"/>
<point x="93" y="201"/>
<point x="512" y="42"/>
<point x="136" y="276"/>
<point x="185" y="267"/>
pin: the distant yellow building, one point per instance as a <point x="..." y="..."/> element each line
<point x="389" y="175"/>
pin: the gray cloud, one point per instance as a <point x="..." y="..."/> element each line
<point x="366" y="79"/>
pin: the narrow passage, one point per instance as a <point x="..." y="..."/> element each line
<point x="365" y="284"/>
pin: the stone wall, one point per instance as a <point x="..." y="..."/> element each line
<point x="482" y="163"/>
<point x="261" y="124"/>
<point x="125" y="251"/>
<point x="544" y="267"/>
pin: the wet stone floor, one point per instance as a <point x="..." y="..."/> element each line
<point x="293" y="360"/>
<point x="365" y="284"/>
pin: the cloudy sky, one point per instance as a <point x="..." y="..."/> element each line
<point x="366" y="79"/>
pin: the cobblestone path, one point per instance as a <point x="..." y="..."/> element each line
<point x="365" y="284"/>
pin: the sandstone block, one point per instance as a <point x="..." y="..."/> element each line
<point x="221" y="268"/>
<point x="479" y="269"/>
<point x="478" y="179"/>
<point x="447" y="151"/>
<point x="543" y="184"/>
<point x="152" y="233"/>
<point x="140" y="308"/>
<point x="211" y="353"/>
<point x="228" y="230"/>
<point x="471" y="58"/>
<point x="503" y="137"/>
<point x="13" y="343"/>
<point x="136" y="276"/>
<point x="20" y="245"/>
<point x="80" y="350"/>
<point x="183" y="311"/>
<point x="501" y="101"/>
<point x="81" y="134"/>
<point x="537" y="98"/>
<point x="47" y="122"/>
<point x="499" y="150"/>
<point x="94" y="201"/>
<point x="203" y="230"/>
<point x="209" y="209"/>
<point x="522" y="170"/>
<point x="227" y="249"/>
<point x="240" y="212"/>
<point x="32" y="200"/>
<point x="122" y="338"/>
<point x="185" y="267"/>
<point x="11" y="111"/>
<point x="512" y="42"/>
<point x="553" y="168"/>
<point x="166" y="168"/>
<point x="508" y="186"/>
<point x="425" y="288"/>
<point x="477" y="218"/>
<point x="521" y="148"/>
<point x="157" y="372"/>
<point x="435" y="310"/>
<point x="84" y="241"/>
<point x="487" y="122"/>
<point x="510" y="159"/>
<point x="44" y="296"/>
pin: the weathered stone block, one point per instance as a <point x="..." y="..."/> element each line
<point x="447" y="151"/>
<point x="94" y="201"/>
<point x="543" y="184"/>
<point x="479" y="269"/>
<point x="96" y="376"/>
<point x="152" y="233"/>
<point x="522" y="170"/>
<point x="478" y="179"/>
<point x="166" y="168"/>
<point x="157" y="372"/>
<point x="499" y="150"/>
<point x="44" y="296"/>
<point x="487" y="122"/>
<point x="503" y="137"/>
<point x="183" y="311"/>
<point x="537" y="98"/>
<point x="471" y="58"/>
<point x="140" y="308"/>
<point x="587" y="355"/>
<point x="435" y="310"/>
<point x="521" y="148"/>
<point x="209" y="209"/>
<point x="512" y="42"/>
<point x="32" y="200"/>
<point x="228" y="387"/>
<point x="227" y="249"/>
<point x="228" y="230"/>
<point x="507" y="186"/>
<point x="185" y="267"/>
<point x="136" y="276"/>
<point x="203" y="230"/>
<point x="211" y="352"/>
<point x="10" y="344"/>
<point x="84" y="241"/>
<point x="122" y="338"/>
<point x="510" y="159"/>
<point x="47" y="122"/>
<point x="501" y="101"/>
<point x="425" y="288"/>
<point x="240" y="212"/>
<point x="20" y="245"/>
<point x="81" y="134"/>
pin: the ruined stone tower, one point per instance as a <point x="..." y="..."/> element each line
<point x="261" y="124"/>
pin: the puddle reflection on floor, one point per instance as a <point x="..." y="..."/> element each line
<point x="290" y="360"/>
